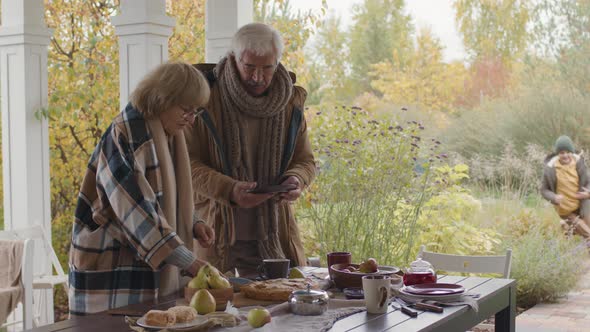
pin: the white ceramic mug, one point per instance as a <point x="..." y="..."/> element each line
<point x="377" y="292"/>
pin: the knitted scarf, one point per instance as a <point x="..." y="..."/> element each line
<point x="237" y="107"/>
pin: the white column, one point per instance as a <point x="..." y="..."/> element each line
<point x="25" y="140"/>
<point x="143" y="29"/>
<point x="222" y="19"/>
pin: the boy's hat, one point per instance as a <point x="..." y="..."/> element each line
<point x="564" y="143"/>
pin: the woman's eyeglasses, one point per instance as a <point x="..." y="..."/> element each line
<point x="196" y="111"/>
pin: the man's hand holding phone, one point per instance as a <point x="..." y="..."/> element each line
<point x="291" y="195"/>
<point x="249" y="194"/>
<point x="243" y="196"/>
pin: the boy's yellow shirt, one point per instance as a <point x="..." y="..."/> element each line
<point x="568" y="184"/>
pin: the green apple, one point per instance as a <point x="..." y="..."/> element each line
<point x="203" y="302"/>
<point x="258" y="317"/>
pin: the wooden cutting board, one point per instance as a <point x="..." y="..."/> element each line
<point x="240" y="300"/>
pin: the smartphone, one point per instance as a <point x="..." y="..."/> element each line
<point x="272" y="188"/>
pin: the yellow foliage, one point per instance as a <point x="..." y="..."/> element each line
<point x="422" y="80"/>
<point x="187" y="42"/>
<point x="295" y="29"/>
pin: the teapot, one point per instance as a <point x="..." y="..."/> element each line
<point x="419" y="272"/>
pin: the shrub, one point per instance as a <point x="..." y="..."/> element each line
<point x="537" y="114"/>
<point x="371" y="185"/>
<point x="447" y="224"/>
<point x="546" y="266"/>
<point x="509" y="175"/>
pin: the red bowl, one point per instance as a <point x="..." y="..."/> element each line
<point x="345" y="279"/>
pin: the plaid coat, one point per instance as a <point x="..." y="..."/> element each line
<point x="120" y="237"/>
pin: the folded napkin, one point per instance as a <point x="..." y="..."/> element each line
<point x="215" y="319"/>
<point x="468" y="299"/>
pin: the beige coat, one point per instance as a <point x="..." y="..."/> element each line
<point x="213" y="188"/>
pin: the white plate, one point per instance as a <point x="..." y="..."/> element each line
<point x="449" y="297"/>
<point x="199" y="320"/>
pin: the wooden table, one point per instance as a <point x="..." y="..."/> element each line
<point x="497" y="297"/>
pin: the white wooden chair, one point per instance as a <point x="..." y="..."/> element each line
<point x="469" y="264"/>
<point x="26" y="305"/>
<point x="43" y="278"/>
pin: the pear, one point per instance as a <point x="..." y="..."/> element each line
<point x="258" y="317"/>
<point x="296" y="273"/>
<point x="200" y="281"/>
<point x="203" y="302"/>
<point x="218" y="282"/>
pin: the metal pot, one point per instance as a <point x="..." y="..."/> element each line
<point x="308" y="302"/>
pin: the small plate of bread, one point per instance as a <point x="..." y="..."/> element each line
<point x="178" y="317"/>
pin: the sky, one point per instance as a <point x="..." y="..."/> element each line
<point x="435" y="14"/>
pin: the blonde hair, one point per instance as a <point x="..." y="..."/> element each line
<point x="259" y="38"/>
<point x="168" y="85"/>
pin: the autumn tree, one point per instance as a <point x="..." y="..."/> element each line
<point x="187" y="42"/>
<point x="421" y="78"/>
<point x="561" y="32"/>
<point x="380" y="28"/>
<point x="295" y="28"/>
<point x="493" y="28"/>
<point x="495" y="35"/>
<point x="329" y="61"/>
<point x="83" y="92"/>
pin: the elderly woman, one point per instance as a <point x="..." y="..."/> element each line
<point x="132" y="237"/>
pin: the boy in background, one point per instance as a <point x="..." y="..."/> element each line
<point x="566" y="184"/>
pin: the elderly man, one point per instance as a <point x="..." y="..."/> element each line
<point x="252" y="133"/>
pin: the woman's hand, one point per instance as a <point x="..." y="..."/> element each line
<point x="204" y="233"/>
<point x="193" y="269"/>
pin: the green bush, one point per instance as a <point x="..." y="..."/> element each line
<point x="546" y="266"/>
<point x="371" y="186"/>
<point x="447" y="224"/>
<point x="509" y="175"/>
<point x="536" y="114"/>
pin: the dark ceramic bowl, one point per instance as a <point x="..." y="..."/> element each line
<point x="346" y="279"/>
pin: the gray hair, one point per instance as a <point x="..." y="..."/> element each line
<point x="259" y="38"/>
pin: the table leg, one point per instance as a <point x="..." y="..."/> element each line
<point x="505" y="319"/>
